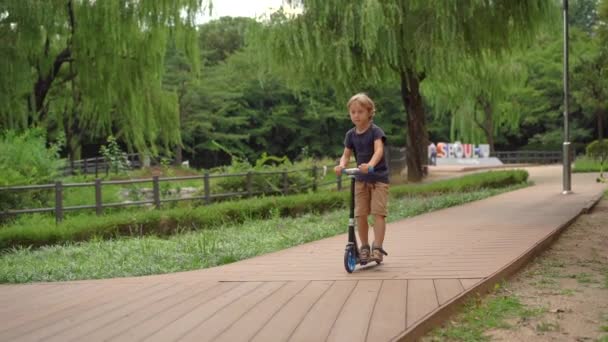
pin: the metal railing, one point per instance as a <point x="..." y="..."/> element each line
<point x="529" y="157"/>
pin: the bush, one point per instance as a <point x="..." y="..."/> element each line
<point x="598" y="149"/>
<point x="264" y="180"/>
<point x="37" y="231"/>
<point x="25" y="160"/>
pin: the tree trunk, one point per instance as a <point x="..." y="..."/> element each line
<point x="600" y="124"/>
<point x="179" y="155"/>
<point x="417" y="135"/>
<point x="178" y="150"/>
<point x="489" y="125"/>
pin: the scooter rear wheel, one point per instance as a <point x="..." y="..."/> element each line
<point x="350" y="258"/>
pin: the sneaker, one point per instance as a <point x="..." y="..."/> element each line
<point x="364" y="254"/>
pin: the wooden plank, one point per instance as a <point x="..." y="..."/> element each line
<point x="31" y="299"/>
<point x="468" y="283"/>
<point x="317" y="324"/>
<point x="246" y="327"/>
<point x="282" y="325"/>
<point x="447" y="289"/>
<point x="156" y="308"/>
<point x="421" y="299"/>
<point x="51" y="306"/>
<point x="388" y="318"/>
<point x="80" y="328"/>
<point x="193" y="318"/>
<point x="158" y="321"/>
<point x="39" y="323"/>
<point x="222" y="319"/>
<point x="353" y="321"/>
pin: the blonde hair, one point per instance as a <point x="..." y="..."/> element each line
<point x="364" y="101"/>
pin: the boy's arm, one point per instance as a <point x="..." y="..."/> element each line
<point x="343" y="160"/>
<point x="378" y="153"/>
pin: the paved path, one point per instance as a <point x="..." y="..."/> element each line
<point x="303" y="293"/>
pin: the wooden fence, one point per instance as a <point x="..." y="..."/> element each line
<point x="397" y="157"/>
<point x="58" y="188"/>
<point x="98" y="165"/>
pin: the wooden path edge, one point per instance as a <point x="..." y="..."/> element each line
<point x="454" y="306"/>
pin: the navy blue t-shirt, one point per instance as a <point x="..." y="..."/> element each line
<point x="363" y="146"/>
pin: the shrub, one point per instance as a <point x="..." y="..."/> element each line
<point x="25" y="160"/>
<point x="115" y="156"/>
<point x="263" y="179"/>
<point x="598" y="149"/>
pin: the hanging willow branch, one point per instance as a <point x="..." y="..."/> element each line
<point x="350" y="43"/>
<point x="116" y="54"/>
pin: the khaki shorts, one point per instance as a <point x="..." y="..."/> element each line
<point x="371" y="198"/>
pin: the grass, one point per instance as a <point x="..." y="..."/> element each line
<point x="547" y="327"/>
<point x="585" y="164"/>
<point x="227" y="243"/>
<point x="479" y="316"/>
<point x="582" y="278"/>
<point x="40" y="230"/>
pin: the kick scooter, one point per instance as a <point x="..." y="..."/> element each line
<point x="351" y="253"/>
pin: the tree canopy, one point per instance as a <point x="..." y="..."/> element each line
<point x="354" y="43"/>
<point x="94" y="66"/>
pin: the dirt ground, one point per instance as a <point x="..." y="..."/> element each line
<point x="569" y="282"/>
<point x="566" y="287"/>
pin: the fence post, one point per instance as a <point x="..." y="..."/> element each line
<point x="96" y="166"/>
<point x="98" y="200"/>
<point x="249" y="184"/>
<point x="85" y="167"/>
<point x="285" y="183"/>
<point x="206" y="187"/>
<point x="314" y="178"/>
<point x="156" y="189"/>
<point x="58" y="202"/>
<point x="339" y="182"/>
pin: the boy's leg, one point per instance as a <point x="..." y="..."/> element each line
<point x="363" y="229"/>
<point x="379" y="208"/>
<point x="379" y="230"/>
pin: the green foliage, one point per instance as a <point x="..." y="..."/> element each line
<point x="25" y="160"/>
<point x="94" y="66"/>
<point x="114" y="155"/>
<point x="351" y="45"/>
<point x="598" y="149"/>
<point x="39" y="231"/>
<point x="266" y="177"/>
<point x="478" y="97"/>
<point x="479" y="317"/>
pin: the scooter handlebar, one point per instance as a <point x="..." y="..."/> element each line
<point x="355" y="171"/>
<point x="352" y="171"/>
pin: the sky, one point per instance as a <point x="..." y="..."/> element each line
<point x="240" y="8"/>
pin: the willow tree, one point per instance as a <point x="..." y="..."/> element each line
<point x="350" y="43"/>
<point x="93" y="66"/>
<point x="478" y="96"/>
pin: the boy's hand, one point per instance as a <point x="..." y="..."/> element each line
<point x="366" y="168"/>
<point x="338" y="169"/>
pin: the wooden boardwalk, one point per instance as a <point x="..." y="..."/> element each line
<point x="303" y="293"/>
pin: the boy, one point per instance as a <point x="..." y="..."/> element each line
<point x="367" y="141"/>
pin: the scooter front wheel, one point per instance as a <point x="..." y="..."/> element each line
<point x="350" y="258"/>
